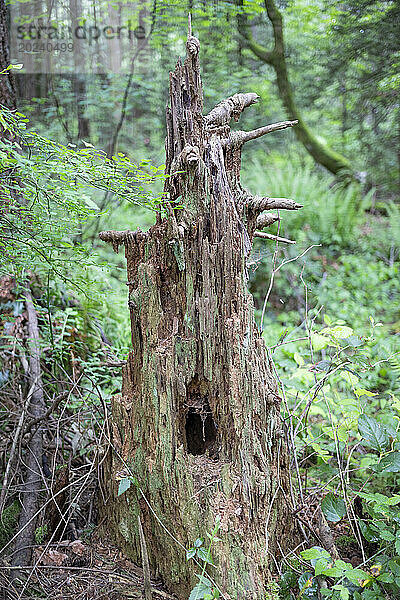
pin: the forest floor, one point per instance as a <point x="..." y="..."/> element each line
<point x="79" y="570"/>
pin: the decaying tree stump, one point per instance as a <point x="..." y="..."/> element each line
<point x="197" y="423"/>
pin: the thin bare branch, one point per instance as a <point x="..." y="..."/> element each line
<point x="269" y="236"/>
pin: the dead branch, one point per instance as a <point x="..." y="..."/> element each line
<point x="258" y="204"/>
<point x="117" y="238"/>
<point x="48" y="412"/>
<point x="230" y="108"/>
<point x="32" y="484"/>
<point x="238" y="138"/>
<point x="266" y="219"/>
<point x="269" y="236"/>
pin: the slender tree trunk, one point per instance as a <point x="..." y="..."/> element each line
<point x="78" y="78"/>
<point x="197" y="423"/>
<point x="328" y="158"/>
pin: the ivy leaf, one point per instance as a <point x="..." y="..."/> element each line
<point x="198" y="542"/>
<point x="124" y="485"/>
<point x="333" y="508"/>
<point x="373" y="433"/>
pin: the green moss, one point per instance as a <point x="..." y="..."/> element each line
<point x="344" y="542"/>
<point x="8" y="522"/>
<point x="272" y="591"/>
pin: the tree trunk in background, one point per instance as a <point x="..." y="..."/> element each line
<point x="7" y="83"/>
<point x="328" y="158"/>
<point x="197" y="424"/>
<point x="78" y="78"/>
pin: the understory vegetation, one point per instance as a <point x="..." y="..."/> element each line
<point x="328" y="308"/>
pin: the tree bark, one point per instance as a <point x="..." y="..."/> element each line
<point x="197" y="423"/>
<point x="7" y="81"/>
<point x="328" y="158"/>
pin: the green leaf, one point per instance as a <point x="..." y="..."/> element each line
<point x="355" y="574"/>
<point x="333" y="572"/>
<point x="387" y="535"/>
<point x="199" y="591"/>
<point x="389" y="463"/>
<point x="362" y="392"/>
<point x="320" y="566"/>
<point x="315" y="553"/>
<point x="397" y="545"/>
<point x="90" y="203"/>
<point x="204" y="554"/>
<point x="373" y="433"/>
<point x="299" y="359"/>
<point x="190" y="553"/>
<point x="339" y="332"/>
<point x="386" y="578"/>
<point x="353" y="341"/>
<point x="124" y="485"/>
<point x="394" y="567"/>
<point x="199" y="542"/>
<point x="319" y="341"/>
<point x="344" y="592"/>
<point x="333" y="508"/>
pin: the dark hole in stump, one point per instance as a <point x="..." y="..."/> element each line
<point x="201" y="432"/>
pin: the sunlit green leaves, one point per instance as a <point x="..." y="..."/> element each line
<point x="52" y="193"/>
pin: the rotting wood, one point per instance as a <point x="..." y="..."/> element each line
<point x="266" y="219"/>
<point x="197" y="422"/>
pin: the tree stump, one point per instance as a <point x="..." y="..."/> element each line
<point x="197" y="423"/>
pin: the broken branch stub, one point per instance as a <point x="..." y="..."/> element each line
<point x="258" y="204"/>
<point x="266" y="219"/>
